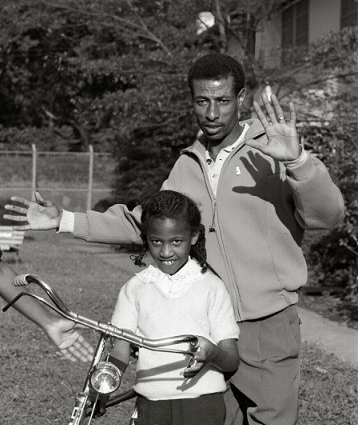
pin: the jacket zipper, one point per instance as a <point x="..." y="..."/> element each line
<point x="212" y="227"/>
<point x="211" y="193"/>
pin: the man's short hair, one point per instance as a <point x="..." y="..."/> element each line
<point x="217" y="66"/>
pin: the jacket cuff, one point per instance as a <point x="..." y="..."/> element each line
<point x="66" y="222"/>
<point x="80" y="227"/>
<point x="303" y="170"/>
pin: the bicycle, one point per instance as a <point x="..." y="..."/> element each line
<point x="102" y="377"/>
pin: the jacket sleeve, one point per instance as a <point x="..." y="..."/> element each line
<point x="117" y="225"/>
<point x="318" y="201"/>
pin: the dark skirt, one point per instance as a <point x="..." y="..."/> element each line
<point x="208" y="409"/>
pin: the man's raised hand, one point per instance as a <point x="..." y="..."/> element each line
<point x="39" y="215"/>
<point x="283" y="141"/>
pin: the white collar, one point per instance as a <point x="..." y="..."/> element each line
<point x="175" y="285"/>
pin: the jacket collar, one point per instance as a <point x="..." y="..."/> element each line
<point x="255" y="130"/>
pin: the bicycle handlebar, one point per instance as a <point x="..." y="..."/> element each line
<point x="106" y="328"/>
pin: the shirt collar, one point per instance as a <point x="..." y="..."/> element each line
<point x="152" y="274"/>
<point x="231" y="147"/>
<point x="172" y="286"/>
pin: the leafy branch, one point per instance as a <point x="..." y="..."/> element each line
<point x="141" y="31"/>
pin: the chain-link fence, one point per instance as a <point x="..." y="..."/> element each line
<point x="75" y="180"/>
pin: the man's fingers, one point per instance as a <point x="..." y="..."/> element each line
<point x="41" y="201"/>
<point x="292" y="115"/>
<point x="278" y="110"/>
<point x="20" y="200"/>
<point x="261" y="116"/>
<point x="39" y="198"/>
<point x="15" y="217"/>
<point x="16" y="209"/>
<point x="19" y="210"/>
<point x="280" y="114"/>
<point x="22" y="227"/>
<point x="269" y="109"/>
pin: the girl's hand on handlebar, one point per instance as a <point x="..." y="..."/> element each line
<point x="202" y="356"/>
<point x="224" y="356"/>
<point x="70" y="343"/>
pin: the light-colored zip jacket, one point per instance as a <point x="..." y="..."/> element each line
<point x="254" y="226"/>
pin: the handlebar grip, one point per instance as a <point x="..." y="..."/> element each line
<point x="20" y="280"/>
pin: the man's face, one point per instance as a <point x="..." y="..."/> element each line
<point x="216" y="107"/>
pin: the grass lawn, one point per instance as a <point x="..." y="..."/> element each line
<point x="38" y="388"/>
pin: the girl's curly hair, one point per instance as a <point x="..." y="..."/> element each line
<point x="174" y="205"/>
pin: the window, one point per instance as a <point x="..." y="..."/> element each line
<point x="349" y="13"/>
<point x="295" y="24"/>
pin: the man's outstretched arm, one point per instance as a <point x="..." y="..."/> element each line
<point x="117" y="225"/>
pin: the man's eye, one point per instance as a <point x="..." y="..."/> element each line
<point x="224" y="101"/>
<point x="201" y="102"/>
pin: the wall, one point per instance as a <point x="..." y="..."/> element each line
<point x="324" y="16"/>
<point x="268" y="42"/>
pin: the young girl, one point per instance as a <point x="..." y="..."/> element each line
<point x="178" y="296"/>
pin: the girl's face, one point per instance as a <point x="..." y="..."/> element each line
<point x="169" y="242"/>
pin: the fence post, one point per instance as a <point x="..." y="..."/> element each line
<point x="34" y="171"/>
<point x="90" y="177"/>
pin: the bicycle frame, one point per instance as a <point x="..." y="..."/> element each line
<point x="86" y="399"/>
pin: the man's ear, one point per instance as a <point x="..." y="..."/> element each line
<point x="194" y="238"/>
<point x="241" y="96"/>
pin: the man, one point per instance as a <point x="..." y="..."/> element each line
<point x="62" y="332"/>
<point x="258" y="190"/>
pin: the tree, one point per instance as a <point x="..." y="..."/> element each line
<point x="112" y="73"/>
<point x="69" y="65"/>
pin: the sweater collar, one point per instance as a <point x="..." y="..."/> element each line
<point x="172" y="285"/>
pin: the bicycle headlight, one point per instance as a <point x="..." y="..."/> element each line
<point x="106" y="378"/>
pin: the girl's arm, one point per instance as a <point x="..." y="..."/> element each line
<point x="224" y="356"/>
<point x="120" y="354"/>
<point x="119" y="357"/>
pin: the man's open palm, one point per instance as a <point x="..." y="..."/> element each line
<point x="283" y="141"/>
<point x="40" y="215"/>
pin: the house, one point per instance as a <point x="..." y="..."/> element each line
<point x="293" y="27"/>
<point x="273" y="35"/>
<point x="299" y="23"/>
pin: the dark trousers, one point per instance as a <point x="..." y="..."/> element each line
<point x="207" y="409"/>
<point x="264" y="390"/>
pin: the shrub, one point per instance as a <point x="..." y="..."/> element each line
<point x="334" y="256"/>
